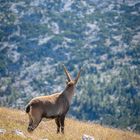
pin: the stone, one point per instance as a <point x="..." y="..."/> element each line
<point x="2" y="131"/>
<point x="87" y="137"/>
<point x="19" y="133"/>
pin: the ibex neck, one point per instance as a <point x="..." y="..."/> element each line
<point x="68" y="93"/>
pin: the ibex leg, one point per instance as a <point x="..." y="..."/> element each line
<point x="57" y="121"/>
<point x="62" y="119"/>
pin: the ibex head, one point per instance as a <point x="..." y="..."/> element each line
<point x="70" y="82"/>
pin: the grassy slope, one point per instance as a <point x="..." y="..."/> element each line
<point x="14" y="119"/>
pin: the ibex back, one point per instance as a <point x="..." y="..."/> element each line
<point x="53" y="106"/>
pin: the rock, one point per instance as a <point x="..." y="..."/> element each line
<point x="87" y="137"/>
<point x="19" y="133"/>
<point x="2" y="131"/>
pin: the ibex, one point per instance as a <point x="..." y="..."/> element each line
<point x="53" y="106"/>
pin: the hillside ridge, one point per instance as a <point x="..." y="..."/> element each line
<point x="13" y="120"/>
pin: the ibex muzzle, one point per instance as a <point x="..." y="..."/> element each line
<point x="53" y="106"/>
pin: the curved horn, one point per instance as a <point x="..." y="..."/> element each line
<point x="76" y="79"/>
<point x="67" y="73"/>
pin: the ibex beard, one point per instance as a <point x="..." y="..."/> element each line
<point x="53" y="106"/>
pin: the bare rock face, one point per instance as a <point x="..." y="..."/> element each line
<point x="2" y="131"/>
<point x="87" y="137"/>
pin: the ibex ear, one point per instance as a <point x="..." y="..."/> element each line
<point x="67" y="73"/>
<point x="76" y="79"/>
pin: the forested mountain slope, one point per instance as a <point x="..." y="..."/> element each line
<point x="103" y="37"/>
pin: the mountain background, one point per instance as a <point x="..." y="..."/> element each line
<point x="102" y="36"/>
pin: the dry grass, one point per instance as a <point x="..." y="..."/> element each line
<point x="14" y="119"/>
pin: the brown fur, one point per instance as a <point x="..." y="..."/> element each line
<point x="53" y="106"/>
